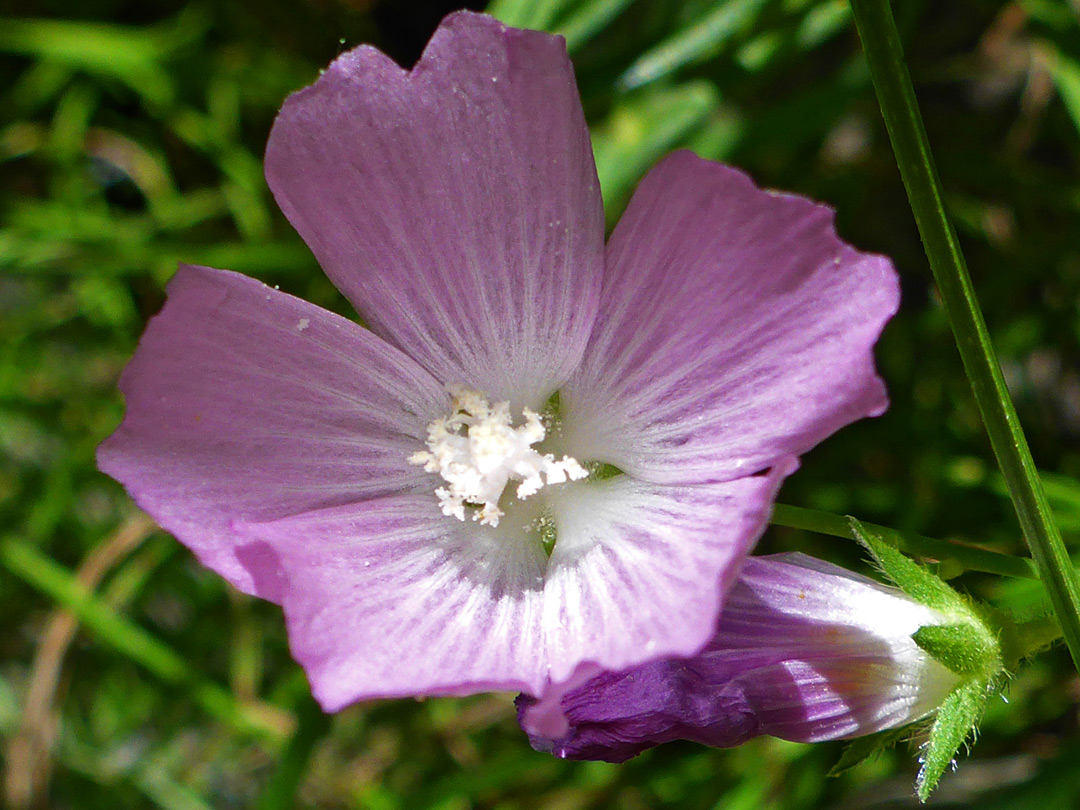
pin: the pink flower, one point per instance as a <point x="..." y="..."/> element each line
<point x="407" y="531"/>
<point x="804" y="651"/>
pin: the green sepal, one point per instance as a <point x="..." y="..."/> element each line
<point x="600" y="471"/>
<point x="862" y="748"/>
<point x="971" y="645"/>
<point x="552" y="410"/>
<point x="954" y="722"/>
<point x="909" y="576"/>
<point x="961" y="648"/>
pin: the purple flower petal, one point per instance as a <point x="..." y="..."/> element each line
<point x="391" y="598"/>
<point x="247" y="403"/>
<point x="805" y="651"/>
<point x="640" y="569"/>
<point x="735" y="328"/>
<point x="455" y="205"/>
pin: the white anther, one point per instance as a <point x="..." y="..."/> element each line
<point x="477" y="451"/>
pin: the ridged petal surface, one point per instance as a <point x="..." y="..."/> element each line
<point x="456" y="205"/>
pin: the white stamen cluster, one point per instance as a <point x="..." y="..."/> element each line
<point x="477" y="451"/>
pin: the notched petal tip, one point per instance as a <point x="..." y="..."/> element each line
<point x="467" y="22"/>
<point x="454" y="204"/>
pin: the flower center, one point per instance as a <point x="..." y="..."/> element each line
<point x="477" y="451"/>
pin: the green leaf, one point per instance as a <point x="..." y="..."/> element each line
<point x="822" y="22"/>
<point x="130" y="639"/>
<point x="703" y="38"/>
<point x="132" y="55"/>
<point x="970" y="645"/>
<point x="588" y="20"/>
<point x="641" y="129"/>
<point x="311" y="725"/>
<point x="535" y="14"/>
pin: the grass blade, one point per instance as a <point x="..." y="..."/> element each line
<point x="881" y="43"/>
<point x="133" y="641"/>
<point x="704" y="38"/>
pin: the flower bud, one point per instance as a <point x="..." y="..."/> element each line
<point x="805" y="651"/>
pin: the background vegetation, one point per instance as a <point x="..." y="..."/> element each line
<point x="131" y="139"/>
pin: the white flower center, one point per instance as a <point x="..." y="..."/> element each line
<point x="478" y="451"/>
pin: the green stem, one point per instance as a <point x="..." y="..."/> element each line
<point x="881" y="43"/>
<point x="970" y="557"/>
<point x="1036" y="635"/>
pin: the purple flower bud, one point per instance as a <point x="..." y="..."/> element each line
<point x="804" y="651"/>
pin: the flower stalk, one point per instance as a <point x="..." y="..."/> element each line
<point x="970" y="558"/>
<point x="881" y="43"/>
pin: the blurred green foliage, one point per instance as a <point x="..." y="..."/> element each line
<point x="131" y="139"/>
